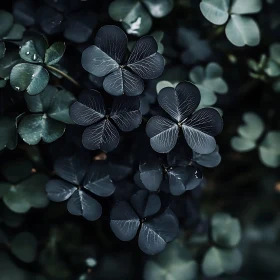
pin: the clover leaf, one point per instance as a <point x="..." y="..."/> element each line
<point x="51" y="114"/>
<point x="179" y="177"/>
<point x="156" y="230"/>
<point x="248" y="133"/>
<point x="218" y="261"/>
<point x="198" y="128"/>
<point x="78" y="177"/>
<point x="105" y="59"/>
<point x="136" y="16"/>
<point x="23" y="189"/>
<point x="32" y="76"/>
<point x="240" y="30"/>
<point x="209" y="81"/>
<point x="180" y="265"/>
<point x="272" y="68"/>
<point x="101" y="133"/>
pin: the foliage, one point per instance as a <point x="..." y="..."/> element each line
<point x="112" y="164"/>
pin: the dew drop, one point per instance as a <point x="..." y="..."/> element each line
<point x="34" y="57"/>
<point x="27" y="53"/>
<point x="17" y="88"/>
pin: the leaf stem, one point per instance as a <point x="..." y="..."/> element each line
<point x="52" y="68"/>
<point x="10" y="40"/>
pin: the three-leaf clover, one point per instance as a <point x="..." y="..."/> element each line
<point x="251" y="136"/>
<point x="77" y="177"/>
<point x="101" y="133"/>
<point x="199" y="128"/>
<point x="32" y="75"/>
<point x="135" y="15"/>
<point x="50" y="115"/>
<point x="240" y="30"/>
<point x="23" y="189"/>
<point x="156" y="229"/>
<point x="209" y="82"/>
<point x="106" y="59"/>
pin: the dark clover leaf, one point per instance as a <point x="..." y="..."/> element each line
<point x="198" y="128"/>
<point x="81" y="204"/>
<point x="163" y="134"/>
<point x="16" y="32"/>
<point x="124" y="221"/>
<point x="8" y="133"/>
<point x="182" y="179"/>
<point x="29" y="77"/>
<point x="50" y="20"/>
<point x="134" y="16"/>
<point x="151" y="175"/>
<point x="105" y="59"/>
<point x="79" y="26"/>
<point x="155" y="229"/>
<point x="54" y="53"/>
<point x="98" y="180"/>
<point x="155" y="234"/>
<point x="125" y="113"/>
<point x="78" y="178"/>
<point x="24" y="247"/>
<point x="24" y="12"/>
<point x="226" y="231"/>
<point x="180" y="102"/>
<point x="101" y="133"/>
<point x="145" y="204"/>
<point x="210" y="160"/>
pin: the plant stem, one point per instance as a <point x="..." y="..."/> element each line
<point x="10" y="40"/>
<point x="52" y="68"/>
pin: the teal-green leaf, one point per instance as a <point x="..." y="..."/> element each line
<point x="243" y="30"/>
<point x="269" y="149"/>
<point x="34" y="128"/>
<point x="274" y="52"/>
<point x="29" y="53"/>
<point x="159" y="8"/>
<point x="134" y="17"/>
<point x="158" y="35"/>
<point x="4" y="188"/>
<point x="2" y="49"/>
<point x="8" y="62"/>
<point x="24" y="247"/>
<point x="55" y="103"/>
<point x="54" y="53"/>
<point x="272" y="68"/>
<point x="33" y="189"/>
<point x="12" y="219"/>
<point x="16" y="32"/>
<point x="15" y="202"/>
<point x="218" y="261"/>
<point x="3" y="83"/>
<point x="174" y="263"/>
<point x="6" y="22"/>
<point x="226" y="230"/>
<point x="253" y="127"/>
<point x="242" y="7"/>
<point x="240" y="144"/>
<point x="208" y="97"/>
<point x="216" y="11"/>
<point x="30" y="77"/>
<point x="8" y="133"/>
